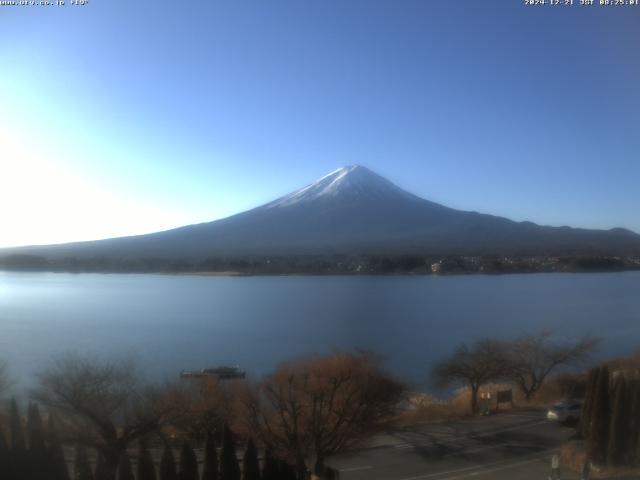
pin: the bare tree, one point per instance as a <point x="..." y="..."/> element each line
<point x="5" y="379"/>
<point x="474" y="366"/>
<point x="533" y="357"/>
<point x="103" y="404"/>
<point x="202" y="406"/>
<point x="322" y="406"/>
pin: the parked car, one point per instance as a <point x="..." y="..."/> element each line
<point x="568" y="412"/>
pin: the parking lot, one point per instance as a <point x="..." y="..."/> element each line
<point x="509" y="445"/>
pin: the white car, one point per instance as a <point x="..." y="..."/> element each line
<point x="565" y="412"/>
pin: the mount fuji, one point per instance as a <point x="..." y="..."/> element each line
<point x="351" y="210"/>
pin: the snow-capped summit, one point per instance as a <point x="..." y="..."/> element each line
<point x="352" y="181"/>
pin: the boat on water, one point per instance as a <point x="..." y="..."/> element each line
<point x="221" y="372"/>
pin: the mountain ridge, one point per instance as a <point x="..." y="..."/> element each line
<point x="351" y="210"/>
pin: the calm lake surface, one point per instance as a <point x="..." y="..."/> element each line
<point x="187" y="322"/>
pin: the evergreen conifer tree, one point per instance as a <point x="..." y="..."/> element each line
<point x="587" y="408"/>
<point x="618" y="431"/>
<point x="56" y="462"/>
<point x="101" y="470"/>
<point x="125" y="471"/>
<point x="19" y="466"/>
<point x="229" y="468"/>
<point x="168" y="465"/>
<point x="188" y="463"/>
<point x="210" y="467"/>
<point x="81" y="465"/>
<point x="600" y="419"/>
<point x="286" y="471"/>
<point x="269" y="466"/>
<point x="4" y="458"/>
<point x="146" y="469"/>
<point x="634" y="421"/>
<point x="637" y="449"/>
<point x="250" y="465"/>
<point x="37" y="453"/>
<point x="18" y="444"/>
<point x="35" y="431"/>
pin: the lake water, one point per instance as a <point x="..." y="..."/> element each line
<point x="189" y="322"/>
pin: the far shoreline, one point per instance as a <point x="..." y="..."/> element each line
<point x="225" y="273"/>
<point x="324" y="274"/>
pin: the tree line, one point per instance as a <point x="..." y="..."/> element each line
<point x="526" y="362"/>
<point x="118" y="424"/>
<point x="323" y="264"/>
<point x="39" y="455"/>
<point x="257" y="264"/>
<point x="36" y="455"/>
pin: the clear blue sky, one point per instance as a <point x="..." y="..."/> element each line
<point x="132" y="116"/>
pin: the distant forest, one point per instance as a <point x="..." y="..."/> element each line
<point x="326" y="265"/>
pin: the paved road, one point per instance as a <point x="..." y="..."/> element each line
<point x="504" y="446"/>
